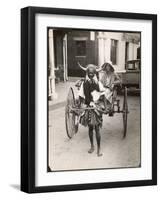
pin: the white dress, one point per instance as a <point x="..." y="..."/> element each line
<point x="108" y="81"/>
<point x="95" y="94"/>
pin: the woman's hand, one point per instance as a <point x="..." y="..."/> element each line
<point x="92" y="104"/>
<point x="112" y="86"/>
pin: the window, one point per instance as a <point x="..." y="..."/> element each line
<point x="114" y="51"/>
<point x="126" y="51"/>
<point x="81" y="48"/>
<point x="133" y="65"/>
<point x="138" y="53"/>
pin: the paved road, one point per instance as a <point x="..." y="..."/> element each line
<point x="71" y="154"/>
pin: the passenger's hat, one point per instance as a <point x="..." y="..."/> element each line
<point x="108" y="63"/>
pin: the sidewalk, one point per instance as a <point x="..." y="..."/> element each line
<point x="62" y="89"/>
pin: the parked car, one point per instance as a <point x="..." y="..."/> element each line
<point x="131" y="78"/>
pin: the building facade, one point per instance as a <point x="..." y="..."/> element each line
<point x="68" y="47"/>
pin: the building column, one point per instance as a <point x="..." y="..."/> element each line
<point x="52" y="92"/>
<point x="131" y="51"/>
<point x="65" y="64"/>
<point x="107" y="48"/>
<point x="121" y="55"/>
<point x="100" y="48"/>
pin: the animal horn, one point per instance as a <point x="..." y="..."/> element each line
<point x="82" y="67"/>
<point x="99" y="69"/>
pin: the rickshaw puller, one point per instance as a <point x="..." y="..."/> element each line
<point x="91" y="117"/>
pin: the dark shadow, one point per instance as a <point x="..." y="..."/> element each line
<point x="15" y="186"/>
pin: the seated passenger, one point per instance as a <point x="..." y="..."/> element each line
<point x="109" y="79"/>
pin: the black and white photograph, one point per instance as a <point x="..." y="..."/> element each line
<point x="89" y="104"/>
<point x="93" y="99"/>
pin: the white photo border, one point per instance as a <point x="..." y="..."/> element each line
<point x="42" y="177"/>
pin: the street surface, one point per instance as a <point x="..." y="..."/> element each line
<point x="72" y="154"/>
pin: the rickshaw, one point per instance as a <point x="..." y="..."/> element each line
<point x="73" y="110"/>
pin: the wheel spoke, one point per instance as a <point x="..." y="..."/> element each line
<point x="125" y="112"/>
<point x="70" y="116"/>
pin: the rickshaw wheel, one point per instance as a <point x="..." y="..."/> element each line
<point x="125" y="112"/>
<point x="70" y="117"/>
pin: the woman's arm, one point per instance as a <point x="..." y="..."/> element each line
<point x="117" y="79"/>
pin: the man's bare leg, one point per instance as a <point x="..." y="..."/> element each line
<point x="98" y="138"/>
<point x="91" y="150"/>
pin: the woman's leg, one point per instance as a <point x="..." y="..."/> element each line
<point x="90" y="132"/>
<point x="107" y="104"/>
<point x="98" y="138"/>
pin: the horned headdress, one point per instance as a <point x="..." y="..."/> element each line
<point x="98" y="69"/>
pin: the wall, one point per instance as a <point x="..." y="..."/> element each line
<point x="104" y="45"/>
<point x="90" y="52"/>
<point x="10" y="100"/>
<point x="120" y="65"/>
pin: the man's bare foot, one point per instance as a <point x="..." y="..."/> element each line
<point x="91" y="150"/>
<point x="99" y="154"/>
